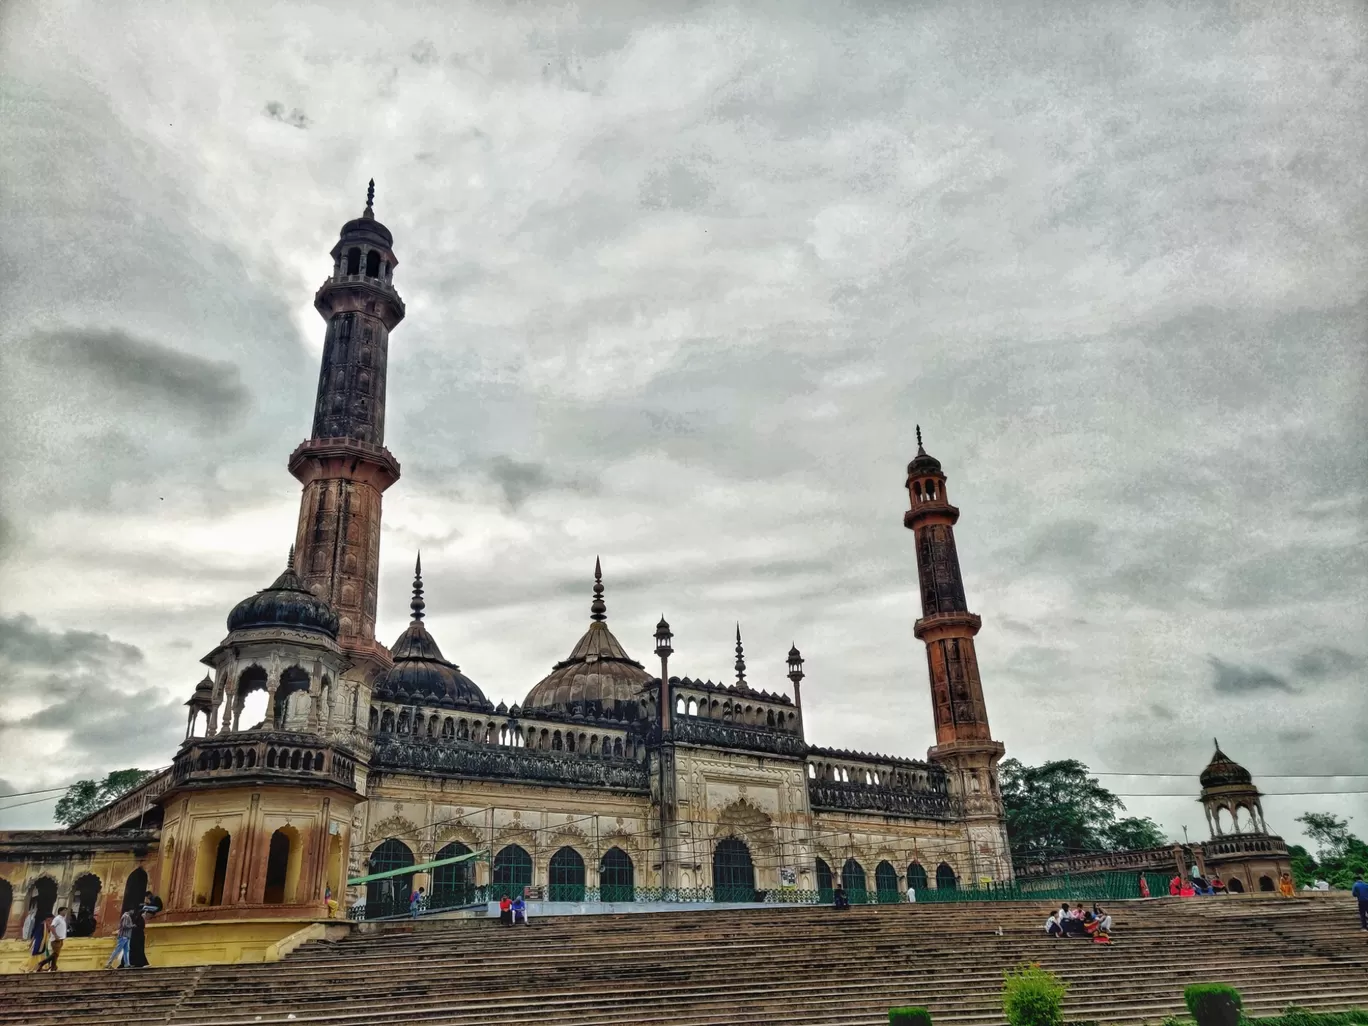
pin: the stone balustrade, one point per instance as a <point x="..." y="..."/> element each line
<point x="263" y="755"/>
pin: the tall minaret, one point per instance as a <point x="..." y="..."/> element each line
<point x="964" y="744"/>
<point x="344" y="466"/>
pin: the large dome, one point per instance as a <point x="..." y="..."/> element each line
<point x="597" y="677"/>
<point x="1223" y="771"/>
<point x="286" y="603"/>
<point x="419" y="669"/>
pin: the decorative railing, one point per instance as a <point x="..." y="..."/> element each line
<point x="1102" y="861"/>
<point x="465" y="897"/>
<point x="1068" y="887"/>
<point x="465" y="759"/>
<point x="823" y="794"/>
<point x="695" y="730"/>
<point x="130" y="806"/>
<point x="274" y="754"/>
<point x="1243" y="844"/>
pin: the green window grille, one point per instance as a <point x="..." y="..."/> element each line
<point x="886" y="884"/>
<point x="617" y="876"/>
<point x="733" y="871"/>
<point x="452" y="885"/>
<point x="566" y="881"/>
<point x="826" y="893"/>
<point x="512" y="872"/>
<point x="945" y="878"/>
<point x="916" y="877"/>
<point x="853" y="880"/>
<point x="389" y="897"/>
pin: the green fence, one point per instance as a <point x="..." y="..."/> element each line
<point x="1070" y="887"/>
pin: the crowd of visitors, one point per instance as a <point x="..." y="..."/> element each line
<point x="46" y="936"/>
<point x="1079" y="922"/>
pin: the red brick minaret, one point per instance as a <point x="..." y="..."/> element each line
<point x="964" y="743"/>
<point x="344" y="466"/>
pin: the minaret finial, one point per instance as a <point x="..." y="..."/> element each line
<point x="598" y="609"/>
<point x="920" y="450"/>
<point x="1216" y="743"/>
<point x="740" y="660"/>
<point x="370" y="199"/>
<point x="418" y="605"/>
<point x="289" y="560"/>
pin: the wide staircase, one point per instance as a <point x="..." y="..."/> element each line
<point x="782" y="965"/>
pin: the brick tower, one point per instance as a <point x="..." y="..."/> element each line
<point x="344" y="465"/>
<point x="964" y="743"/>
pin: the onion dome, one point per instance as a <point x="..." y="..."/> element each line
<point x="922" y="463"/>
<point x="366" y="228"/>
<point x="203" y="698"/>
<point x="419" y="670"/>
<point x="598" y="676"/>
<point x="1223" y="771"/>
<point x="286" y="603"/>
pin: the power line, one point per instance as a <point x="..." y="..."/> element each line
<point x="41" y="790"/>
<point x="1276" y="776"/>
<point x="31" y="801"/>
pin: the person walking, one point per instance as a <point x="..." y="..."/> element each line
<point x="38" y="941"/>
<point x="27" y="932"/>
<point x="137" y="940"/>
<point x="1360" y="891"/>
<point x="416" y="902"/>
<point x="57" y="931"/>
<point x="118" y="959"/>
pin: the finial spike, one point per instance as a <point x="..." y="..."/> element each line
<point x="289" y="560"/>
<point x="418" y="605"/>
<point x="598" y="609"/>
<point x="920" y="450"/>
<point x="740" y="660"/>
<point x="370" y="199"/>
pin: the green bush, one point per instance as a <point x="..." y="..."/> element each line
<point x="1293" y="1015"/>
<point x="1213" y="1004"/>
<point x="909" y="1017"/>
<point x="1033" y="997"/>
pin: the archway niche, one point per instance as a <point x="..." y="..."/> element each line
<point x="565" y="875"/>
<point x="390" y="895"/>
<point x="135" y="890"/>
<point x="1234" y="886"/>
<point x="916" y="877"/>
<point x="617" y="876"/>
<point x="283" y="858"/>
<point x="825" y="891"/>
<point x="211" y="867"/>
<point x="733" y="871"/>
<point x="43" y="896"/>
<point x="886" y="883"/>
<point x="512" y="871"/>
<point x="1266" y="883"/>
<point x="451" y="884"/>
<point x="853" y="880"/>
<point x="85" y="901"/>
<point x="945" y="878"/>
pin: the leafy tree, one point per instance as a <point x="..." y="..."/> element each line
<point x="1339" y="853"/>
<point x="1057" y="810"/>
<point x="86" y="796"/>
<point x="1330" y="833"/>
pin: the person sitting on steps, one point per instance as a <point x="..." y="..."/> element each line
<point x="520" y="910"/>
<point x="839" y="899"/>
<point x="506" y="910"/>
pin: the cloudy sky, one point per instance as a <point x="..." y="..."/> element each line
<point x="681" y="279"/>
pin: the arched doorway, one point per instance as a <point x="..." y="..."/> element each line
<point x="853" y="880"/>
<point x="390" y="895"/>
<point x="43" y="896"/>
<point x="85" y="901"/>
<point x="1234" y="886"/>
<point x="1266" y="883"/>
<point x="826" y="893"/>
<point x="451" y="885"/>
<point x="6" y="906"/>
<point x="617" y="876"/>
<point x="945" y="878"/>
<point x="135" y="890"/>
<point x="566" y="876"/>
<point x="916" y="877"/>
<point x="733" y="871"/>
<point x="512" y="871"/>
<point x="886" y="884"/>
<point x="282" y="867"/>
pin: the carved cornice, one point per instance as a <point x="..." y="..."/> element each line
<point x="697" y="731"/>
<point x="824" y="794"/>
<point x="515" y="765"/>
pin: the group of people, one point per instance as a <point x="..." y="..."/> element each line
<point x="47" y="935"/>
<point x="1190" y="887"/>
<point x="513" y="910"/>
<point x="1078" y="922"/>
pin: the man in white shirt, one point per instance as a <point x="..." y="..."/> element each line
<point x="57" y="930"/>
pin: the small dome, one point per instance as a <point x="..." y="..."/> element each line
<point x="598" y="676"/>
<point x="419" y="670"/>
<point x="203" y="698"/>
<point x="1223" y="771"/>
<point x="922" y="463"/>
<point x="286" y="603"/>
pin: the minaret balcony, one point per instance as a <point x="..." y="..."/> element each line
<point x="936" y="511"/>
<point x="357" y="284"/>
<point x="947" y="625"/>
<point x="262" y="757"/>
<point x="321" y="452"/>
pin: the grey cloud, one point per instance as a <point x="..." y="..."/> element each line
<point x="521" y="479"/>
<point x="25" y="643"/>
<point x="1229" y="678"/>
<point x="1326" y="662"/>
<point x="296" y="118"/>
<point x="1161" y="712"/>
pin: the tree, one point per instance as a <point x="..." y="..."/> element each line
<point x="1339" y="854"/>
<point x="1330" y="833"/>
<point x="86" y="796"/>
<point x="1057" y="810"/>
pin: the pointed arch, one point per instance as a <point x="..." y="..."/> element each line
<point x="916" y="877"/>
<point x="389" y="896"/>
<point x="617" y="876"/>
<point x="825" y="889"/>
<point x="512" y="871"/>
<point x="854" y="881"/>
<point x="733" y="871"/>
<point x="886" y="883"/>
<point x="565" y="875"/>
<point x="945" y="878"/>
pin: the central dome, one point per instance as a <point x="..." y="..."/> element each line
<point x="286" y="603"/>
<point x="597" y="677"/>
<point x="1223" y="771"/>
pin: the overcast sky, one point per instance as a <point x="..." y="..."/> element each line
<point x="680" y="281"/>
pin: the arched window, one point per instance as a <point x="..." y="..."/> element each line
<point x="282" y="867"/>
<point x="1234" y="886"/>
<point x="211" y="872"/>
<point x="693" y="707"/>
<point x="681" y="706"/>
<point x="85" y="900"/>
<point x="566" y="876"/>
<point x="916" y="877"/>
<point x="404" y="721"/>
<point x="6" y="905"/>
<point x="512" y="871"/>
<point x="1266" y="883"/>
<point x="387" y="722"/>
<point x="43" y="895"/>
<point x="945" y="878"/>
<point x="617" y="876"/>
<point x="135" y="889"/>
<point x="886" y="884"/>
<point x="733" y="871"/>
<point x="617" y="747"/>
<point x="373" y="264"/>
<point x="354" y="260"/>
<point x="448" y="729"/>
<point x="825" y="891"/>
<point x="812" y="772"/>
<point x="452" y="885"/>
<point x="389" y="896"/>
<point x="557" y="742"/>
<point x="853" y="880"/>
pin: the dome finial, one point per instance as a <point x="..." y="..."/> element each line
<point x="417" y="605"/>
<point x="920" y="450"/>
<point x="289" y="560"/>
<point x="740" y="660"/>
<point x="598" y="609"/>
<point x="370" y="200"/>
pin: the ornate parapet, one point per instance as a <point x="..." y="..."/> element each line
<point x="263" y="757"/>
<point x="853" y="797"/>
<point x="697" y="731"/>
<point x="1165" y="858"/>
<point x="397" y="753"/>
<point x="1234" y="846"/>
<point x="128" y="808"/>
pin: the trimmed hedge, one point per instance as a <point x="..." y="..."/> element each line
<point x="1291" y="1016"/>
<point x="909" y="1017"/>
<point x="1213" y="1004"/>
<point x="1033" y="997"/>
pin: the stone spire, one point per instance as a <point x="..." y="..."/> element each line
<point x="370" y="200"/>
<point x="418" y="605"/>
<point x="598" y="609"/>
<point x="740" y="660"/>
<point x="289" y="561"/>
